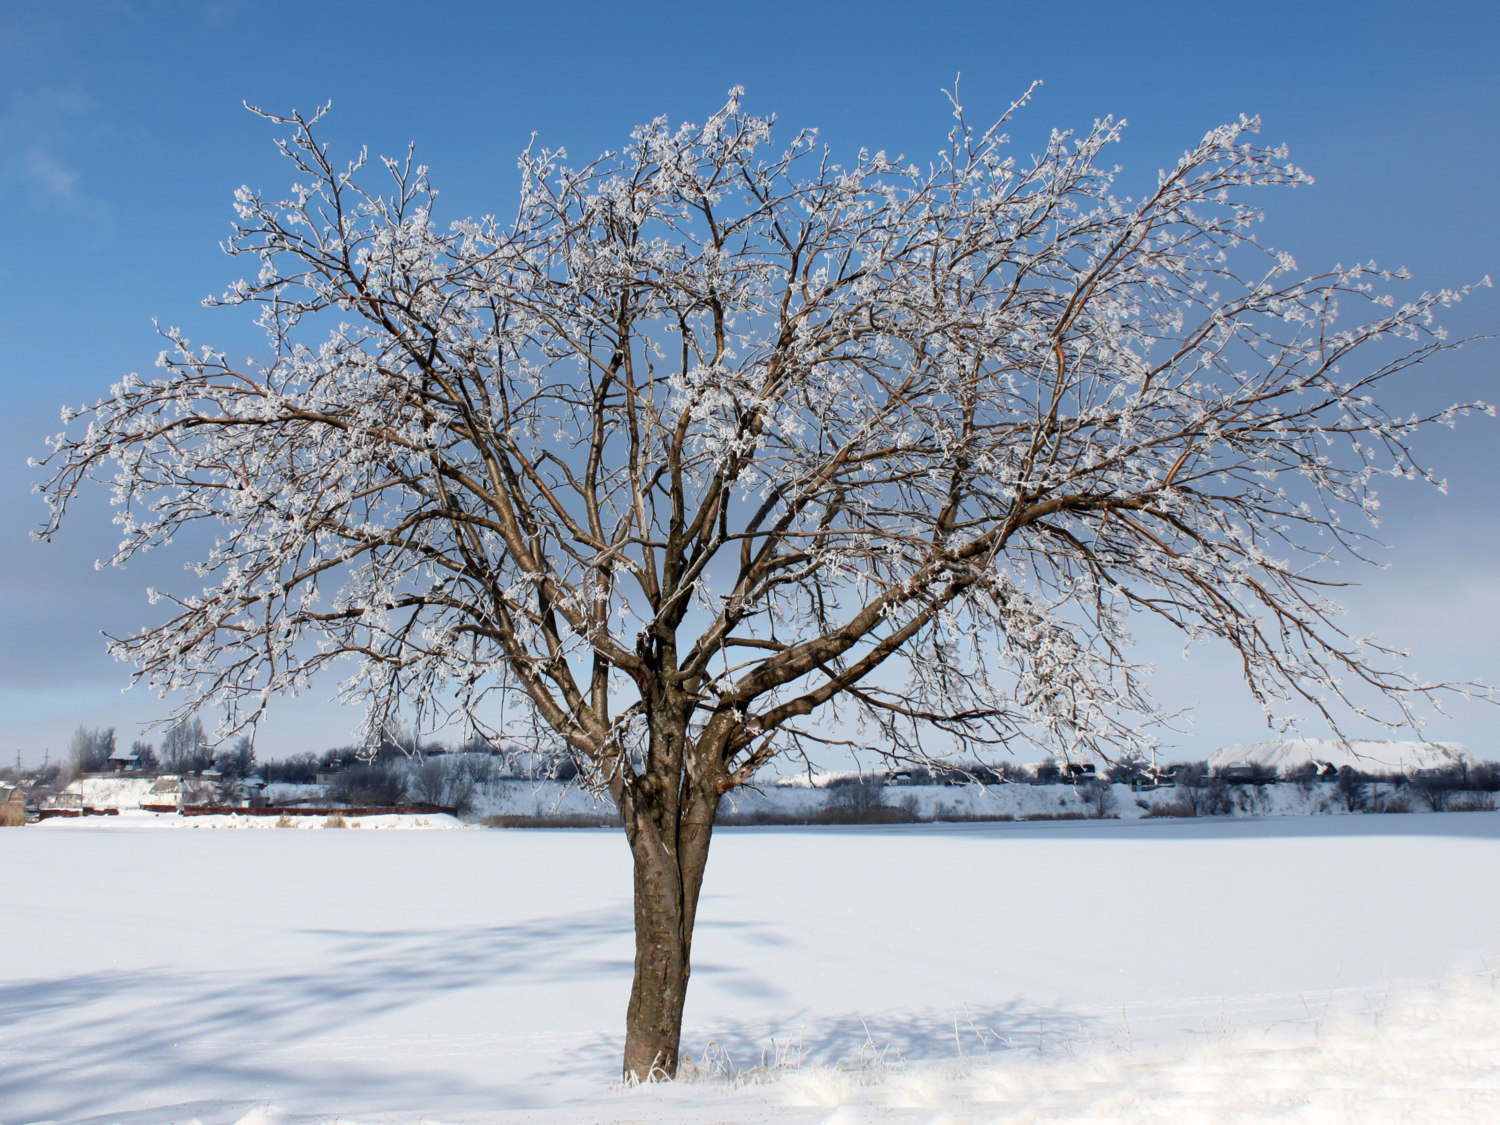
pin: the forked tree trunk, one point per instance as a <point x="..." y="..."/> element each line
<point x="668" y="878"/>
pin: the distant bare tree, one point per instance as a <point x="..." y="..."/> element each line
<point x="1351" y="789"/>
<point x="370" y="783"/>
<point x="145" y="756"/>
<point x="237" y="760"/>
<point x="185" y="748"/>
<point x="716" y="447"/>
<point x="89" y="750"/>
<point x="1096" y="796"/>
<point x="448" y="780"/>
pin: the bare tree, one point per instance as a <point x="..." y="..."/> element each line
<point x="185" y="748"/>
<point x="238" y="759"/>
<point x="89" y="750"/>
<point x="448" y="780"/>
<point x="1351" y="789"/>
<point x="716" y="449"/>
<point x="145" y="756"/>
<point x="1096" y="796"/>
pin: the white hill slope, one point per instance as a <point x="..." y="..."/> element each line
<point x="1368" y="755"/>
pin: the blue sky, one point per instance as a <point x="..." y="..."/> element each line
<point x="122" y="138"/>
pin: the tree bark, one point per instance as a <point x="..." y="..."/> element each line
<point x="669" y="868"/>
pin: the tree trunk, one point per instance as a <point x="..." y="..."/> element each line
<point x="668" y="878"/>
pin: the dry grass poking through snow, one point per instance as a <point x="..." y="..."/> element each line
<point x="1430" y="1058"/>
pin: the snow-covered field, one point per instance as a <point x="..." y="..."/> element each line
<point x="1307" y="969"/>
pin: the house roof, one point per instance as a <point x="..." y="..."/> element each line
<point x="124" y="756"/>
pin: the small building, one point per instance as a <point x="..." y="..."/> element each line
<point x="171" y="792"/>
<point x="12" y="806"/>
<point x="122" y="760"/>
<point x="165" y="795"/>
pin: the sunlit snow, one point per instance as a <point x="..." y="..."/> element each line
<point x="1290" y="969"/>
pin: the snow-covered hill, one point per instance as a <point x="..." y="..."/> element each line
<point x="1366" y="755"/>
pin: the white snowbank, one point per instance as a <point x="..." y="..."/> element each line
<point x="1368" y="755"/>
<point x="1429" y="1057"/>
<point x="133" y="818"/>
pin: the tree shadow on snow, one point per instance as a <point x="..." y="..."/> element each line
<point x="103" y="1041"/>
<point x="889" y="1039"/>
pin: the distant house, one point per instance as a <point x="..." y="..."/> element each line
<point x="122" y="760"/>
<point x="12" y="806"/>
<point x="172" y="792"/>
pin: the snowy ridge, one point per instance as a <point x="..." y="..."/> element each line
<point x="1368" y="755"/>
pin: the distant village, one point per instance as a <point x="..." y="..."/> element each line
<point x="481" y="782"/>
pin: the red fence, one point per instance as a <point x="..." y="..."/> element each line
<point x="47" y="814"/>
<point x="318" y="810"/>
<point x="269" y="810"/>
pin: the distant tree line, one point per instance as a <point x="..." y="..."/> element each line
<point x="405" y="769"/>
<point x="185" y="748"/>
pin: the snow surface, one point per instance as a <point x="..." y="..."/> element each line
<point x="1204" y="970"/>
<point x="1367" y="755"/>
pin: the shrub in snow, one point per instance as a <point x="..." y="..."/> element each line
<point x="1472" y="802"/>
<point x="861" y="801"/>
<point x="1351" y="790"/>
<point x="449" y="780"/>
<point x="370" y="783"/>
<point x="1097" y="798"/>
<point x="1211" y="798"/>
<point x="1436" y="787"/>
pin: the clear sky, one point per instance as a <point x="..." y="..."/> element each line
<point x="122" y="139"/>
